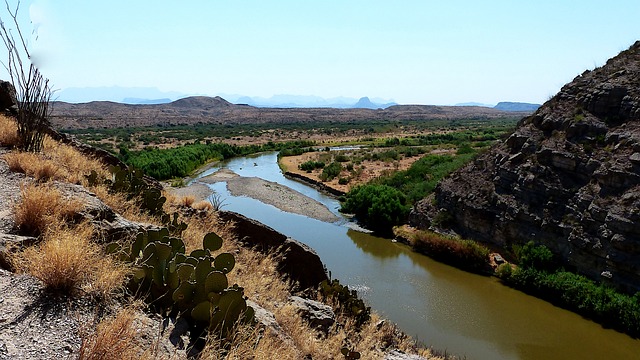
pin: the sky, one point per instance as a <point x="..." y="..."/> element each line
<point x="411" y="52"/>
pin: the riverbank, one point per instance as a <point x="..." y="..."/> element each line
<point x="280" y="196"/>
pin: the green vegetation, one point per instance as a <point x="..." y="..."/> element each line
<point x="464" y="254"/>
<point x="331" y="171"/>
<point x="385" y="202"/>
<point x="132" y="183"/>
<point x="422" y="177"/>
<point x="379" y="207"/>
<point x="165" y="164"/>
<point x="539" y="275"/>
<point x="311" y="165"/>
<point x="348" y="301"/>
<point x="194" y="285"/>
<point x="469" y="129"/>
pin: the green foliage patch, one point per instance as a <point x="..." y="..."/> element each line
<point x="464" y="254"/>
<point x="181" y="161"/>
<point x="379" y="207"/>
<point x="348" y="301"/>
<point x="538" y="275"/>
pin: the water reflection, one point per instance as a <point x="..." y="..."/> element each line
<point x="376" y="246"/>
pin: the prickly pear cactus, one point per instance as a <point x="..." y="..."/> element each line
<point x="194" y="285"/>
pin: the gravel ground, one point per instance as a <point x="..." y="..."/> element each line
<point x="9" y="193"/>
<point x="280" y="196"/>
<point x="34" y="325"/>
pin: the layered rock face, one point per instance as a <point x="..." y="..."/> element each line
<point x="568" y="178"/>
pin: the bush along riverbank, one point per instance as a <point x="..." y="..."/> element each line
<point x="464" y="254"/>
<point x="386" y="202"/>
<point x="539" y="274"/>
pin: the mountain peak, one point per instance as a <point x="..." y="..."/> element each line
<point x="203" y="102"/>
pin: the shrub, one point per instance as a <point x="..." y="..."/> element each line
<point x="115" y="338"/>
<point x="67" y="261"/>
<point x="379" y="207"/>
<point x="581" y="295"/>
<point x="348" y="301"/>
<point x="465" y="254"/>
<point x="331" y="171"/>
<point x="33" y="92"/>
<point x="341" y="158"/>
<point x="535" y="256"/>
<point x="465" y="148"/>
<point x="311" y="165"/>
<point x="41" y="206"/>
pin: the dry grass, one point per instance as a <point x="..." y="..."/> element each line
<point x="8" y="131"/>
<point x="201" y="225"/>
<point x="68" y="261"/>
<point x="114" y="338"/>
<point x="297" y="340"/>
<point x="203" y="205"/>
<point x="187" y="200"/>
<point x="74" y="164"/>
<point x="56" y="162"/>
<point x="40" y="206"/>
<point x="33" y="165"/>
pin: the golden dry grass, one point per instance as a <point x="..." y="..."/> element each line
<point x="8" y="131"/>
<point x="203" y="205"/>
<point x="68" y="260"/>
<point x="187" y="200"/>
<point x="57" y="161"/>
<point x="33" y="165"/>
<point x="298" y="340"/>
<point x="74" y="164"/>
<point x="114" y="338"/>
<point x="40" y="206"/>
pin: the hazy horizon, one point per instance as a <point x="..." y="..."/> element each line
<point x="413" y="52"/>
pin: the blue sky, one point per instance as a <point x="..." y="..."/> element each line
<point x="428" y="52"/>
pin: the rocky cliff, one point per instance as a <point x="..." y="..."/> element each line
<point x="568" y="178"/>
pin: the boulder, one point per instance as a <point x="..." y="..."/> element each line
<point x="399" y="355"/>
<point x="8" y="99"/>
<point x="295" y="259"/>
<point x="10" y="241"/>
<point x="107" y="222"/>
<point x="317" y="314"/>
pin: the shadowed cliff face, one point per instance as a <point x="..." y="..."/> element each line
<point x="568" y="178"/>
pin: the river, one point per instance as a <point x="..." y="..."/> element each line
<point x="450" y="309"/>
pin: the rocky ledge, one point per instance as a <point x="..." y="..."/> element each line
<point x="568" y="178"/>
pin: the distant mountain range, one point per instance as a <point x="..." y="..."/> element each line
<point x="147" y="95"/>
<point x="150" y="96"/>
<point x="216" y="110"/>
<point x="516" y="106"/>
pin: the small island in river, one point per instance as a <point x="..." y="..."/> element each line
<point x="280" y="196"/>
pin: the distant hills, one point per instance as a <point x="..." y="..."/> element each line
<point x="516" y="106"/>
<point x="151" y="96"/>
<point x="216" y="110"/>
<point x="148" y="95"/>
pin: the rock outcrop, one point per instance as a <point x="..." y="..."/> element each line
<point x="296" y="260"/>
<point x="568" y="178"/>
<point x="8" y="99"/>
